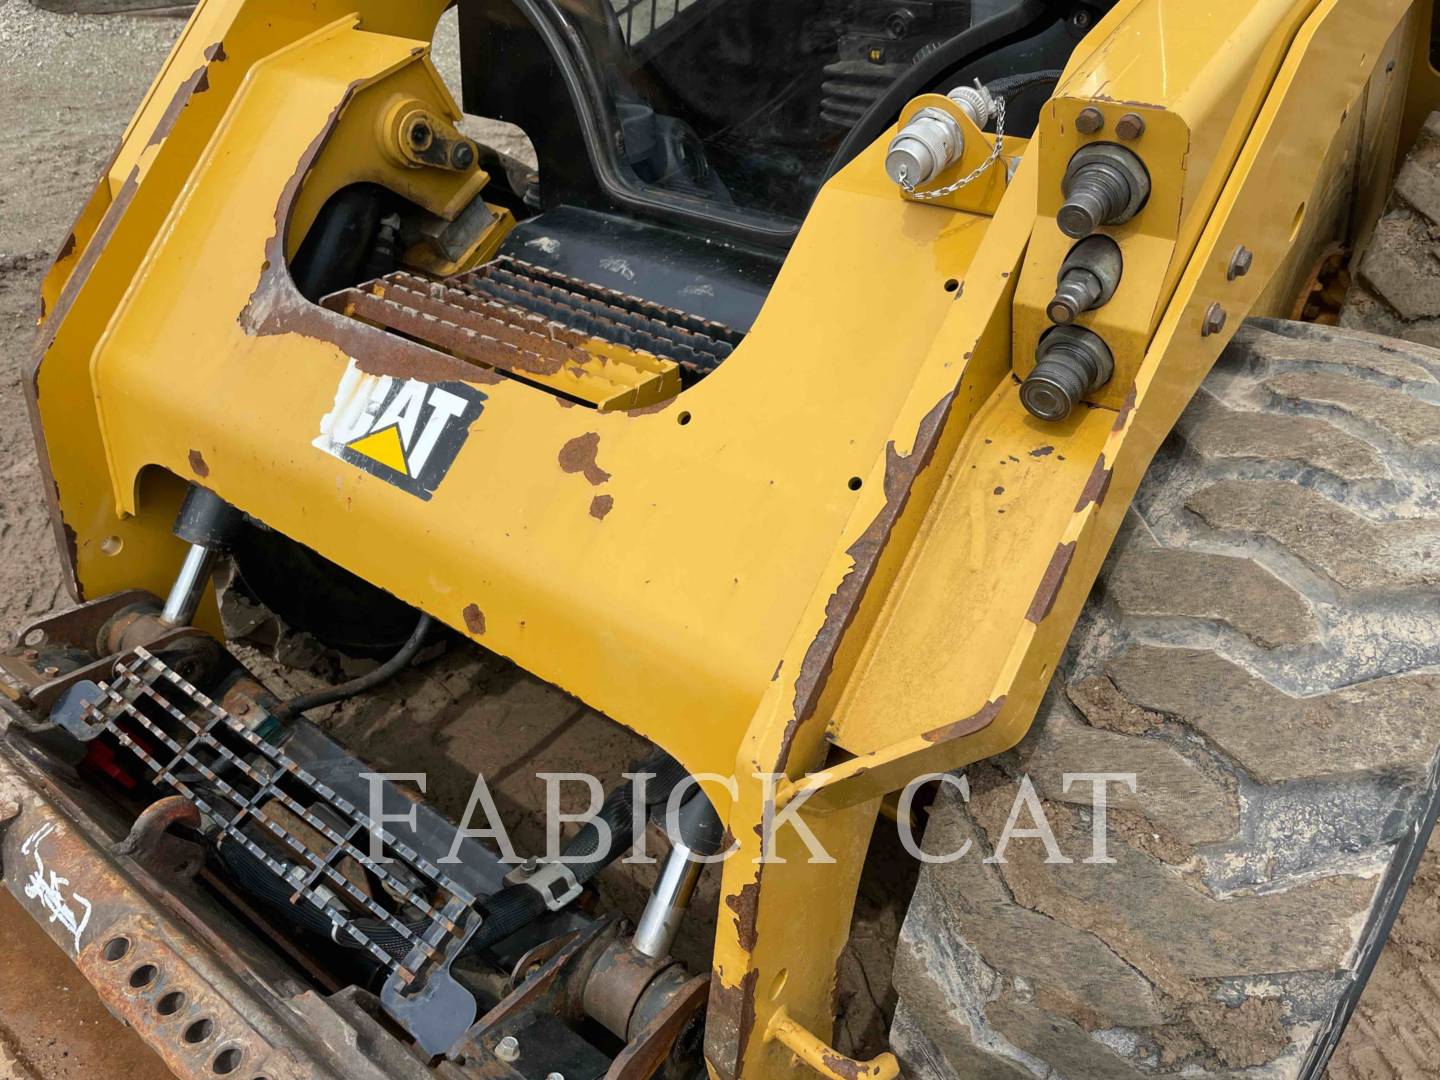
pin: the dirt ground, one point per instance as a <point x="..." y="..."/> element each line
<point x="68" y="85"/>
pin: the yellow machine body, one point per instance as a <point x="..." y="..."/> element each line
<point x="883" y="552"/>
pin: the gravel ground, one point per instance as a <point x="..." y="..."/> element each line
<point x="68" y="85"/>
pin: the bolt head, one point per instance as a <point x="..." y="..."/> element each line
<point x="1240" y="263"/>
<point x="463" y="156"/>
<point x="9" y="808"/>
<point x="508" y="1049"/>
<point x="1090" y="120"/>
<point x="1130" y="126"/>
<point x="1214" y="320"/>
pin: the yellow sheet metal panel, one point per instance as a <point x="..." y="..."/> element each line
<point x="677" y="546"/>
<point x="1275" y="177"/>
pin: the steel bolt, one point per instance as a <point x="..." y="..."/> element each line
<point x="1214" y="320"/>
<point x="508" y="1049"/>
<point x="554" y="1076"/>
<point x="1090" y="120"/>
<point x="9" y="808"/>
<point x="1240" y="263"/>
<point x="1130" y="126"/>
<point x="462" y="156"/>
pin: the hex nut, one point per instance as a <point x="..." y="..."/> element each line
<point x="1130" y="126"/>
<point x="1214" y="320"/>
<point x="1240" y="263"/>
<point x="508" y="1049"/>
<point x="1090" y="120"/>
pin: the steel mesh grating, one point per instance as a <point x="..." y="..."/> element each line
<point x="236" y="780"/>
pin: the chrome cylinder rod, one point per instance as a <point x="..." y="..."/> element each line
<point x="665" y="910"/>
<point x="184" y="598"/>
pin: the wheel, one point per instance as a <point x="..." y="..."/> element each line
<point x="1261" y="652"/>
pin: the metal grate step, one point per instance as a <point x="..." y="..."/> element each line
<point x="573" y="337"/>
<point x="311" y="844"/>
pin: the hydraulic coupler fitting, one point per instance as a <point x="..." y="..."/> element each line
<point x="1071" y="363"/>
<point x="1105" y="184"/>
<point x="932" y="141"/>
<point x="1088" y="278"/>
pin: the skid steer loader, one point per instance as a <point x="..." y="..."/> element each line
<point x="878" y="411"/>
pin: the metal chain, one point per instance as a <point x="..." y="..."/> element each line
<point x="973" y="175"/>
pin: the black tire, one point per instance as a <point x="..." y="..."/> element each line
<point x="1263" y="651"/>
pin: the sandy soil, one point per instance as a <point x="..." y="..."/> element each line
<point x="68" y="85"/>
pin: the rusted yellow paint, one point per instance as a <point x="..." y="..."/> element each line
<point x="804" y="568"/>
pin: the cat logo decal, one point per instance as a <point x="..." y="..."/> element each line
<point x="404" y="431"/>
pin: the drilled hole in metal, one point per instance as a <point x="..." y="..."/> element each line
<point x="199" y="1031"/>
<point x="226" y="1061"/>
<point x="116" y="948"/>
<point x="856" y="483"/>
<point x="170" y="1004"/>
<point x="683" y="418"/>
<point x="952" y="284"/>
<point x="143" y="975"/>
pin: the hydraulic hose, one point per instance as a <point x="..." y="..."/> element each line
<point x="515" y="906"/>
<point x="371" y="679"/>
<point x="1011" y="85"/>
<point x="261" y="882"/>
<point x="1023" y="20"/>
<point x="507" y="911"/>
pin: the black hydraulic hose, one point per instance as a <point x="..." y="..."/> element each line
<point x="508" y="910"/>
<point x="1018" y="22"/>
<point x="258" y="880"/>
<point x="516" y="906"/>
<point x="371" y="679"/>
<point x="1011" y="85"/>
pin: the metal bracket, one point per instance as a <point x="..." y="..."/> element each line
<point x="543" y="877"/>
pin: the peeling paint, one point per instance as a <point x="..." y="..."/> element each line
<point x="474" y="619"/>
<point x="745" y="905"/>
<point x="1050" y="583"/>
<point x="981" y="718"/>
<point x="198" y="465"/>
<point x="729" y="1021"/>
<point x="647" y="410"/>
<point x="578" y="456"/>
<point x="1125" y="410"/>
<point x="900" y="474"/>
<point x="1096" y="486"/>
<point x="601" y="505"/>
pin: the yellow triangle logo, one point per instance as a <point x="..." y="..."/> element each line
<point x="383" y="446"/>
